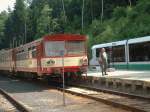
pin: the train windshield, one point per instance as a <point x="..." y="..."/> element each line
<point x="54" y="48"/>
<point x="75" y="47"/>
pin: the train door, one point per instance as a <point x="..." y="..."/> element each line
<point x="14" y="52"/>
<point x="39" y="55"/>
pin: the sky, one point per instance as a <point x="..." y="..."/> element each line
<point x="5" y="3"/>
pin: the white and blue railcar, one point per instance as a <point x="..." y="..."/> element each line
<point x="127" y="54"/>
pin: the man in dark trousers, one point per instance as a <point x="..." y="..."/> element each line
<point x="103" y="61"/>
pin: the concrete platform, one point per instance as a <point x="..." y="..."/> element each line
<point x="123" y="74"/>
<point x="121" y="78"/>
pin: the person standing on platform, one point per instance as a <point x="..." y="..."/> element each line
<point x="103" y="61"/>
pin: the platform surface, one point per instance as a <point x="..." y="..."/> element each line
<point x="123" y="74"/>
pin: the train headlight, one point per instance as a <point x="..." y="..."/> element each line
<point x="84" y="61"/>
<point x="50" y="62"/>
<point x="81" y="61"/>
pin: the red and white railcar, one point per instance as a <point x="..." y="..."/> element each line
<point x="44" y="56"/>
<point x="6" y="60"/>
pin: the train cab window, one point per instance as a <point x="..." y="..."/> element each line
<point x="75" y="47"/>
<point x="54" y="48"/>
<point x="139" y="52"/>
<point x="97" y="52"/>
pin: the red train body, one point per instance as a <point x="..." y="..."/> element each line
<point x="44" y="56"/>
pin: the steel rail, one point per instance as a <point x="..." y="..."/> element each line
<point x="112" y="92"/>
<point x="103" y="100"/>
<point x="106" y="101"/>
<point x="14" y="102"/>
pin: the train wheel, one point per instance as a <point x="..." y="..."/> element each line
<point x="34" y="76"/>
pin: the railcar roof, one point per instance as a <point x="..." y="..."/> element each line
<point x="57" y="37"/>
<point x="123" y="42"/>
<point x="5" y="50"/>
<point x="138" y="40"/>
<point x="33" y="43"/>
<point x="130" y="41"/>
<point x="60" y="37"/>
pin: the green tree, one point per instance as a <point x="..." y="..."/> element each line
<point x="3" y="18"/>
<point x="15" y="24"/>
<point x="44" y="22"/>
<point x="19" y="19"/>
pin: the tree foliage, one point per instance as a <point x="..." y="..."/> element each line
<point x="122" y="20"/>
<point x="3" y="18"/>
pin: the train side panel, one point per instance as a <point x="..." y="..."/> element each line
<point x="6" y="60"/>
<point x="27" y="57"/>
<point x="71" y="64"/>
<point x="28" y="65"/>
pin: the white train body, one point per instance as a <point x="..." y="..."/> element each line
<point x="126" y="54"/>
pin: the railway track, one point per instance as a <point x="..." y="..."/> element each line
<point x="113" y="92"/>
<point x="17" y="107"/>
<point x="117" y="99"/>
<point x="121" y="100"/>
<point x="38" y="96"/>
<point x="131" y="102"/>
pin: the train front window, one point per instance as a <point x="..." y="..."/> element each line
<point x="75" y="47"/>
<point x="54" y="48"/>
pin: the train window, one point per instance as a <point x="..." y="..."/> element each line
<point x="34" y="47"/>
<point x="139" y="52"/>
<point x="118" y="53"/>
<point x="75" y="47"/>
<point x="17" y="56"/>
<point x="34" y="53"/>
<point x="29" y="48"/>
<point x="97" y="52"/>
<point x="1" y="57"/>
<point x="114" y="54"/>
<point x="54" y="48"/>
<point x="22" y="55"/>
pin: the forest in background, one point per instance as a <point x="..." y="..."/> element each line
<point x="101" y="20"/>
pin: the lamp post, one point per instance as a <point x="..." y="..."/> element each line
<point x="82" y="16"/>
<point x="63" y="75"/>
<point x="25" y="32"/>
<point x="102" y="12"/>
<point x="130" y="3"/>
<point x="64" y="12"/>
